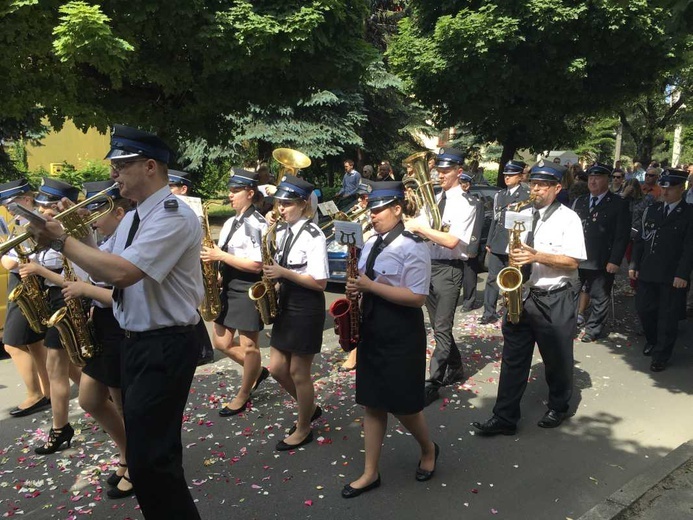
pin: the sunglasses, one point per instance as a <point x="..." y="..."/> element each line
<point x="650" y="175"/>
<point x="617" y="176"/>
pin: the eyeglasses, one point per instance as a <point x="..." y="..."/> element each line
<point x="119" y="166"/>
<point x="542" y="185"/>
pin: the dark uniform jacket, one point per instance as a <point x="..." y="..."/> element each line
<point x="606" y="228"/>
<point x="663" y="248"/>
<point x="497" y="234"/>
<point x="478" y="205"/>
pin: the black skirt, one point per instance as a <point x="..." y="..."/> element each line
<point x="105" y="365"/>
<point x="299" y="326"/>
<point x="17" y="331"/>
<point x="391" y="357"/>
<point x="55" y="303"/>
<point x="238" y="311"/>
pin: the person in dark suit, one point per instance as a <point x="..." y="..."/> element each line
<point x="606" y="224"/>
<point x="662" y="261"/>
<point x="497" y="243"/>
<point x="471" y="264"/>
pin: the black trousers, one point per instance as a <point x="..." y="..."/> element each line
<point x="495" y="264"/>
<point x="550" y="322"/>
<point x="205" y="342"/>
<point x="469" y="282"/>
<point x="446" y="283"/>
<point x="660" y="307"/>
<point x="157" y="374"/>
<point x="597" y="283"/>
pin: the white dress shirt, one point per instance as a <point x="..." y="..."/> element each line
<point x="308" y="253"/>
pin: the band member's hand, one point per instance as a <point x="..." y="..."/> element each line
<point x="29" y="269"/>
<point x="75" y="289"/>
<point x="633" y="275"/>
<point x="414" y="225"/>
<point x="680" y="283"/>
<point x="488" y="249"/>
<point x="361" y="284"/>
<point x="66" y="203"/>
<point x="274" y="271"/>
<point x="211" y="254"/>
<point x="43" y="234"/>
<point x="612" y="268"/>
<point x="523" y="255"/>
<point x="270" y="218"/>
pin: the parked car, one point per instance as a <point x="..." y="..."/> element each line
<point x="337" y="253"/>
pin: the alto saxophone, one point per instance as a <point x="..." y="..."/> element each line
<point x="346" y="311"/>
<point x="211" y="305"/>
<point x="263" y="293"/>
<point x="75" y="329"/>
<point x="30" y="297"/>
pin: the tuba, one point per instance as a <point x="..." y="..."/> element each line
<point x="75" y="329"/>
<point x="346" y="311"/>
<point x="30" y="297"/>
<point x="263" y="293"/>
<point x="211" y="305"/>
<point x="510" y="278"/>
<point x="419" y="186"/>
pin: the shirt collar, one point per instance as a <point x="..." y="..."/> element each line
<point x="455" y="191"/>
<point x="512" y="190"/>
<point x="147" y="205"/>
<point x="672" y="205"/>
<point x="599" y="197"/>
<point x="296" y="226"/>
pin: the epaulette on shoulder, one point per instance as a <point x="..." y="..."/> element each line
<point x="257" y="218"/>
<point x="413" y="236"/>
<point x="314" y="230"/>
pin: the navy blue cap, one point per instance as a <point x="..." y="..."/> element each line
<point x="92" y="188"/>
<point x="365" y="187"/>
<point x="465" y="177"/>
<point x="671" y="177"/>
<point x="129" y="143"/>
<point x="10" y="190"/>
<point x="384" y="193"/>
<point x="599" y="169"/>
<point x="449" y="157"/>
<point x="52" y="190"/>
<point x="292" y="188"/>
<point x="240" y="178"/>
<point x="178" y="177"/>
<point x="514" y="167"/>
<point x="547" y="171"/>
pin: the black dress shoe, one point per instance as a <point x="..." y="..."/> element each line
<point x="421" y="474"/>
<point x="264" y="374"/>
<point x="495" y="426"/>
<point x="114" y="479"/>
<point x="587" y="338"/>
<point x="316" y="415"/>
<point x="485" y="320"/>
<point x="283" y="446"/>
<point x="658" y="366"/>
<point x="39" y="405"/>
<point x="455" y="376"/>
<point x="116" y="493"/>
<point x="229" y="412"/>
<point x="647" y="349"/>
<point x="431" y="395"/>
<point x="552" y="419"/>
<point x="351" y="492"/>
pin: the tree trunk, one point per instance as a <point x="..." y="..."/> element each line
<point x="509" y="149"/>
<point x="645" y="149"/>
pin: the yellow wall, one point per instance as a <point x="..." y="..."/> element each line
<point x="68" y="145"/>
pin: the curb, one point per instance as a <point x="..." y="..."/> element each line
<point x="624" y="498"/>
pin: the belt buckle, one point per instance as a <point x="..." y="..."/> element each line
<point x="128" y="334"/>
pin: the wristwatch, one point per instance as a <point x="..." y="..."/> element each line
<point x="58" y="244"/>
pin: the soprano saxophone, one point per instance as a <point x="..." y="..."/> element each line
<point x="263" y="293"/>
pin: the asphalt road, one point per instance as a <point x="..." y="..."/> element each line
<point x="626" y="419"/>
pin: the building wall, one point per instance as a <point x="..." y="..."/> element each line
<point x="69" y="145"/>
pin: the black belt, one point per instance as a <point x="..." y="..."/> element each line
<point x="545" y="292"/>
<point x="453" y="263"/>
<point x="177" y="329"/>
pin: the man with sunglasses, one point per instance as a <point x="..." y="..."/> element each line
<point x="617" y="179"/>
<point x="650" y="186"/>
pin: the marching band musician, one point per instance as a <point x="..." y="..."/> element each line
<point x="153" y="261"/>
<point x="302" y="270"/>
<point x="448" y="251"/>
<point x="241" y="263"/>
<point x="22" y="343"/>
<point x="179" y="183"/>
<point x="48" y="264"/>
<point x="549" y="313"/>
<point x="394" y="280"/>
<point x="99" y="387"/>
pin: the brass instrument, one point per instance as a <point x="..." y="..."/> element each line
<point x="211" y="305"/>
<point x="420" y="188"/>
<point x="263" y="293"/>
<point x="510" y="278"/>
<point x="291" y="161"/>
<point x="30" y="297"/>
<point x="74" y="225"/>
<point x="75" y="329"/>
<point x="346" y="311"/>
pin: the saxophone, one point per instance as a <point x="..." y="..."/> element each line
<point x="510" y="278"/>
<point x="76" y="331"/>
<point x="263" y="293"/>
<point x="30" y="297"/>
<point x="346" y="311"/>
<point x="211" y="305"/>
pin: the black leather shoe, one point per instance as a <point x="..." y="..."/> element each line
<point x="647" y="349"/>
<point x="283" y="446"/>
<point x="116" y="493"/>
<point x="39" y="405"/>
<point x="587" y="338"/>
<point x="114" y="479"/>
<point x="351" y="492"/>
<point x="421" y="474"/>
<point x="552" y="419"/>
<point x="56" y="439"/>
<point x="495" y="426"/>
<point x="229" y="412"/>
<point x="658" y="366"/>
<point x="456" y="376"/>
<point x="316" y="415"/>
<point x="431" y="395"/>
<point x="485" y="320"/>
<point x="264" y="374"/>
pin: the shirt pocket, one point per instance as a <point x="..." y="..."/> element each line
<point x="388" y="266"/>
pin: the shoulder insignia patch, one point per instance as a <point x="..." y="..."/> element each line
<point x="412" y="236"/>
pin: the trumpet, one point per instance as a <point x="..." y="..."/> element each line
<point x="74" y="225"/>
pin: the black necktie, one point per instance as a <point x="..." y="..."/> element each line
<point x="441" y="203"/>
<point x="286" y="247"/>
<point x="118" y="292"/>
<point x="535" y="221"/>
<point x="594" y="203"/>
<point x="666" y="210"/>
<point x="370" y="262"/>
